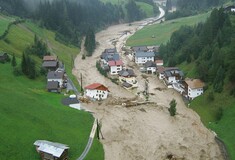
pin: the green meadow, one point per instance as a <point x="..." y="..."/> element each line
<point x="160" y="33"/>
<point x="29" y="113"/>
<point x="4" y="22"/>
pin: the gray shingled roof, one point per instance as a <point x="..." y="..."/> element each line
<point x="140" y="48"/>
<point x="150" y="64"/>
<point x="144" y="54"/>
<point x="50" y="63"/>
<point x="126" y="73"/>
<point x="55" y="75"/>
<point x="110" y="50"/>
<point x="52" y="85"/>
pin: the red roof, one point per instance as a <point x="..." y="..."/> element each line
<point x="97" y="86"/>
<point x="115" y="63"/>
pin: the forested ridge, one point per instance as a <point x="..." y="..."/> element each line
<point x="210" y="46"/>
<point x="71" y="19"/>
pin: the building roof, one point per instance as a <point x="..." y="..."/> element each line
<point x="49" y="64"/>
<point x="56" y="149"/>
<point x="55" y="75"/>
<point x="52" y="85"/>
<point x="67" y="101"/>
<point x="139" y="48"/>
<point x="150" y="64"/>
<point x="126" y="73"/>
<point x="97" y="86"/>
<point x="115" y="63"/>
<point x="144" y="54"/>
<point x="159" y="61"/>
<point x="172" y="71"/>
<point x="50" y="58"/>
<point x="161" y="69"/>
<point x="127" y="85"/>
<point x="194" y="83"/>
<point x="110" y="50"/>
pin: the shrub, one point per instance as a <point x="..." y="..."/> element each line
<point x="211" y="96"/>
<point x="17" y="71"/>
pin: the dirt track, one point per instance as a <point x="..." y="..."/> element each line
<point x="144" y="132"/>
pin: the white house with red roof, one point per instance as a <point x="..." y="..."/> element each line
<point x="115" y="66"/>
<point x="96" y="91"/>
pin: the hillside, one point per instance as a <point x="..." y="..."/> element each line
<point x="204" y="51"/>
<point x="29" y="112"/>
<point x="147" y="8"/>
<point x="162" y="32"/>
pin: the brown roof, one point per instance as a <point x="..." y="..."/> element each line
<point x="159" y="61"/>
<point x="50" y="58"/>
<point x="194" y="83"/>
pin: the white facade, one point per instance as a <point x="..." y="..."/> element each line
<point x="193" y="93"/>
<point x="152" y="69"/>
<point x="115" y="69"/>
<point x="171" y="80"/>
<point x="232" y="9"/>
<point x="142" y="60"/>
<point x="161" y="75"/>
<point x="96" y="94"/>
<point x="58" y="80"/>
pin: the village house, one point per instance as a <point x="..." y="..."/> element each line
<point x="110" y="50"/>
<point x="150" y="67"/>
<point x="173" y="75"/>
<point x="115" y="66"/>
<point x="193" y="88"/>
<point x="106" y="57"/>
<point x="51" y="63"/>
<point x="51" y="150"/>
<point x="143" y="57"/>
<point x="139" y="49"/>
<point x="96" y="91"/>
<point x="57" y="76"/>
<point x="160" y="72"/>
<point x="230" y="8"/>
<point x="128" y="78"/>
<point x="159" y="62"/>
<point x="4" y="57"/>
<point x="53" y="86"/>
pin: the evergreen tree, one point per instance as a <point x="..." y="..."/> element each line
<point x="172" y="108"/>
<point x="24" y="64"/>
<point x="13" y="61"/>
<point x="90" y="42"/>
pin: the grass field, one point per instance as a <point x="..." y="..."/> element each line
<point x="162" y="32"/>
<point x="4" y="22"/>
<point x="148" y="9"/>
<point x="208" y="111"/>
<point x="29" y="113"/>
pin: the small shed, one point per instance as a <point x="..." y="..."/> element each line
<point x="53" y="86"/>
<point x="4" y="57"/>
<point x="51" y="150"/>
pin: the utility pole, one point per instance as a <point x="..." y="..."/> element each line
<point x="81" y="85"/>
<point x="99" y="130"/>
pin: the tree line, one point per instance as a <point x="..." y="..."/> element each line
<point x="210" y="45"/>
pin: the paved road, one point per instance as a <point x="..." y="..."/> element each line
<point x="71" y="86"/>
<point x="90" y="141"/>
